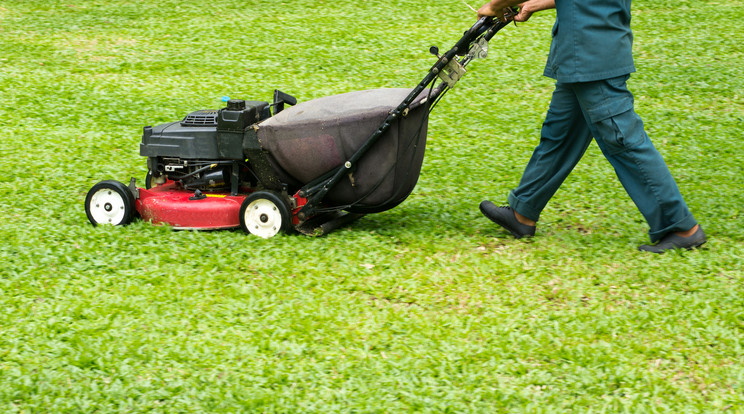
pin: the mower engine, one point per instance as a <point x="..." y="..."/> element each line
<point x="200" y="151"/>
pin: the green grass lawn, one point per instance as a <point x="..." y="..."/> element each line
<point x="427" y="307"/>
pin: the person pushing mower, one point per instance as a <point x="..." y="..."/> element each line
<point x="591" y="59"/>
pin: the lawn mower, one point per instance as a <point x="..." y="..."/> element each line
<point x="311" y="167"/>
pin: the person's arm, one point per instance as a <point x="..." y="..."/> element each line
<point x="526" y="8"/>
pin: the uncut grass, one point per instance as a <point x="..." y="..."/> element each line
<point x="426" y="307"/>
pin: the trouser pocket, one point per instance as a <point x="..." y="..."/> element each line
<point x="620" y="132"/>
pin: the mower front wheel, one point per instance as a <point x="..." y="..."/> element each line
<point x="109" y="202"/>
<point x="264" y="214"/>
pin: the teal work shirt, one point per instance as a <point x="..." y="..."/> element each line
<point x="592" y="40"/>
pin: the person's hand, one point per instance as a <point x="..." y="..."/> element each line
<point x="526" y="9"/>
<point x="525" y="12"/>
<point x="489" y="9"/>
<point x="529" y="7"/>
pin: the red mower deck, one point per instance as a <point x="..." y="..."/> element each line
<point x="166" y="204"/>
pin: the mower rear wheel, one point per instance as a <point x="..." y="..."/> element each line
<point x="110" y="202"/>
<point x="264" y="214"/>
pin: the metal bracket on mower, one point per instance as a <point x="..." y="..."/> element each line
<point x="452" y="73"/>
<point x="133" y="188"/>
<point x="479" y="50"/>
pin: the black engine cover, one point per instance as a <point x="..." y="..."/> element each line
<point x="206" y="134"/>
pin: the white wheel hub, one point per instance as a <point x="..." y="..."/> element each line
<point x="263" y="218"/>
<point x="107" y="207"/>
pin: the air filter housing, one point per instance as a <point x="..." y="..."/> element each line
<point x="205" y="117"/>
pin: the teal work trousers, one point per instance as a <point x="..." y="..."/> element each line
<point x="602" y="110"/>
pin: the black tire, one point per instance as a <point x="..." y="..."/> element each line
<point x="110" y="202"/>
<point x="265" y="214"/>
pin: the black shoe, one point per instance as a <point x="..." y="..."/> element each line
<point x="504" y="217"/>
<point x="671" y="241"/>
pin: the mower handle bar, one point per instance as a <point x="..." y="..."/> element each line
<point x="485" y="27"/>
<point x="491" y="24"/>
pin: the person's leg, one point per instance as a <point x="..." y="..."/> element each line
<point x="619" y="132"/>
<point x="564" y="139"/>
